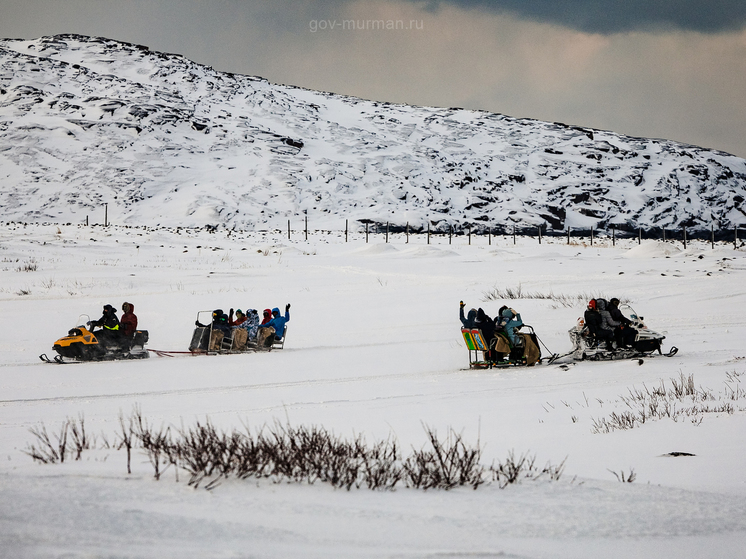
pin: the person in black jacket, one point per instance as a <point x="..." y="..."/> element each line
<point x="110" y="332"/>
<point x="487" y="326"/>
<point x="220" y="321"/>
<point x="624" y="333"/>
<point x="594" y="322"/>
<point x="220" y="327"/>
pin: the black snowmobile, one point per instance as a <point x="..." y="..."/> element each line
<point x="84" y="343"/>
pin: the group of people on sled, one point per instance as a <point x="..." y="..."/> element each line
<point x="501" y="334"/>
<point x="607" y="323"/>
<point x="115" y="331"/>
<point x="246" y="329"/>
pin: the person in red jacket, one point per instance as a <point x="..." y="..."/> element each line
<point x="267" y="316"/>
<point x="128" y="320"/>
<point x="240" y="318"/>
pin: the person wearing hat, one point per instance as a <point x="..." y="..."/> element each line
<point x="240" y="334"/>
<point x="129" y="320"/>
<point x="251" y="324"/>
<point x="219" y="327"/>
<point x="510" y="320"/>
<point x="273" y="329"/>
<point x="266" y="317"/>
<point x="240" y="318"/>
<point x="624" y="334"/>
<point x="594" y="323"/>
<point x="467" y="321"/>
<point x="278" y="321"/>
<point x="109" y="324"/>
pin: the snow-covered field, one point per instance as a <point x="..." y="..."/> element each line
<point x="373" y="348"/>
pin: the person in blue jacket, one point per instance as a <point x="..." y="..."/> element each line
<point x="510" y="320"/>
<point x="468" y="321"/>
<point x="278" y="321"/>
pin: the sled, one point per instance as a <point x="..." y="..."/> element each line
<point x="203" y="335"/>
<point x="498" y="353"/>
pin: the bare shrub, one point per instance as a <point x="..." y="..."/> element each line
<point x="524" y="467"/>
<point x="156" y="443"/>
<point x="558" y="299"/>
<point x="127" y="433"/>
<point x="625" y="478"/>
<point x="682" y="400"/>
<point x="80" y="439"/>
<point x="447" y="464"/>
<point x="28" y="266"/>
<point x="285" y="453"/>
<point x="48" y="452"/>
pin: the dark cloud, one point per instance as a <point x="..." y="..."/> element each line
<point x="614" y="16"/>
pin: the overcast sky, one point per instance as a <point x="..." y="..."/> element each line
<point x="671" y="69"/>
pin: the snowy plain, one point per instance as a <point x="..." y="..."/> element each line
<point x="373" y="348"/>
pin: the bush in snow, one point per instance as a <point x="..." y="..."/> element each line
<point x="284" y="453"/>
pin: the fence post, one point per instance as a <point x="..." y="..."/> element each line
<point x="514" y="233"/>
<point x="664" y="234"/>
<point x="639" y="235"/>
<point x="450" y="233"/>
<point x="306" y="227"/>
<point x="288" y="229"/>
<point x="407" y="232"/>
<point x="712" y="236"/>
<point x="428" y="232"/>
<point x="591" y="236"/>
<point x="735" y="239"/>
<point x="387" y="231"/>
<point x="366" y="233"/>
<point x="613" y="236"/>
<point x="539" y="234"/>
<point x="568" y="234"/>
<point x="684" y="228"/>
<point x="470" y="235"/>
<point x="489" y="236"/>
<point x="346" y="228"/>
<point x="106" y="214"/>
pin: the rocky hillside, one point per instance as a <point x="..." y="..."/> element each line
<point x="162" y="140"/>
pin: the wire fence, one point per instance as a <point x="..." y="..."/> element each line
<point x="369" y="231"/>
<point x="376" y="231"/>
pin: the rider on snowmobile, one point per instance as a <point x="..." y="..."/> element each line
<point x="110" y="332"/>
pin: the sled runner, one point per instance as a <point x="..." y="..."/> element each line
<point x="84" y="344"/>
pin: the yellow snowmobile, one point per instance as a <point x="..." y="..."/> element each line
<point x="84" y="344"/>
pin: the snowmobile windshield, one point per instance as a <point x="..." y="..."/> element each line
<point x="629" y="312"/>
<point x="83" y="319"/>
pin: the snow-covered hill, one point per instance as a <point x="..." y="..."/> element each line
<point x="163" y="140"/>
